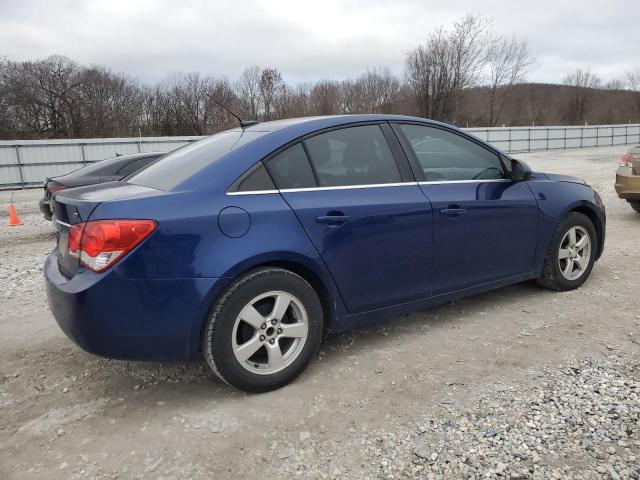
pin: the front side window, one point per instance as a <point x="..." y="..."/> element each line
<point x="352" y="156"/>
<point x="443" y="155"/>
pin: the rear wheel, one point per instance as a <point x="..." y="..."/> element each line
<point x="264" y="330"/>
<point x="571" y="254"/>
<point x="635" y="204"/>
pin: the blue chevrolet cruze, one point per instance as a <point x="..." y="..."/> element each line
<point x="246" y="247"/>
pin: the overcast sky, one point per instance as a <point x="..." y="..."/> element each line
<point x="309" y="40"/>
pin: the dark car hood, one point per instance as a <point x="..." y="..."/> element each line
<point x="556" y="177"/>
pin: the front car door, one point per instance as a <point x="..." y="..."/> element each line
<point x="485" y="223"/>
<point x="364" y="212"/>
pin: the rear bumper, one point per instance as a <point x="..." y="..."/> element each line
<point x="133" y="319"/>
<point x="45" y="208"/>
<point x="627" y="184"/>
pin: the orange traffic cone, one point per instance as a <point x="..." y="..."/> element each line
<point x="14" y="218"/>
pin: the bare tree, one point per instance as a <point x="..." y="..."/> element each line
<point x="57" y="98"/>
<point x="633" y="82"/>
<point x="372" y="92"/>
<point x="44" y="95"/>
<point x="633" y="79"/>
<point x="325" y="98"/>
<point x="615" y="84"/>
<point x="271" y="87"/>
<point x="221" y="93"/>
<point x="292" y="102"/>
<point x="111" y="104"/>
<point x="507" y="63"/>
<point x="248" y="90"/>
<point x="450" y="61"/>
<point x="582" y="84"/>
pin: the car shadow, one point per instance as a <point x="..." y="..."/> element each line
<point x="446" y="316"/>
<point x="190" y="382"/>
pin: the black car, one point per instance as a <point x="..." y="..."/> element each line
<point x="111" y="169"/>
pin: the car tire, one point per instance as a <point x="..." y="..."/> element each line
<point x="276" y="314"/>
<point x="635" y="204"/>
<point x="566" y="266"/>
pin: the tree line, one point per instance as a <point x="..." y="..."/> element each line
<point x="465" y="74"/>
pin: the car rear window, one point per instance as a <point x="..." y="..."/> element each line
<point x="102" y="167"/>
<point x="182" y="163"/>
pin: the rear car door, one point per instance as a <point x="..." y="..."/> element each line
<point x="357" y="199"/>
<point x="485" y="223"/>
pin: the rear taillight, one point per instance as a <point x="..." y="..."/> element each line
<point x="626" y="160"/>
<point x="54" y="187"/>
<point x="101" y="243"/>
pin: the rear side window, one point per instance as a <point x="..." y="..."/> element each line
<point x="352" y="156"/>
<point x="291" y="169"/>
<point x="256" y="180"/>
<point x="443" y="155"/>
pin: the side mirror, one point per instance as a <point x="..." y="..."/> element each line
<point x="520" y="171"/>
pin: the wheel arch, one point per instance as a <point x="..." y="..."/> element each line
<point x="316" y="275"/>
<point x="590" y="212"/>
<point x="318" y="284"/>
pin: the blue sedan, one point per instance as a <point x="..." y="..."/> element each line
<point x="246" y="247"/>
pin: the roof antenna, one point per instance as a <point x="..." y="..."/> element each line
<point x="243" y="123"/>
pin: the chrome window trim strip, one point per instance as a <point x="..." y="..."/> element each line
<point x="493" y="180"/>
<point x="372" y="185"/>
<point x="347" y="187"/>
<point x="254" y="192"/>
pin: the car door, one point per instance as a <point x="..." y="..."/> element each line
<point x="364" y="212"/>
<point x="485" y="223"/>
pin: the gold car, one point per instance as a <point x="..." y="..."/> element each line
<point x="628" y="178"/>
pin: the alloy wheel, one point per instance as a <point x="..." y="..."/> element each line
<point x="574" y="254"/>
<point x="270" y="332"/>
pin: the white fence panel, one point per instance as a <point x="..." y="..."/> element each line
<point x="26" y="163"/>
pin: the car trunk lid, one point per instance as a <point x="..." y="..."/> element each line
<point x="75" y="206"/>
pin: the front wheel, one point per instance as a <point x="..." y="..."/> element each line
<point x="571" y="254"/>
<point x="635" y="204"/>
<point x="264" y="330"/>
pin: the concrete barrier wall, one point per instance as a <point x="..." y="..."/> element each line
<point x="26" y="163"/>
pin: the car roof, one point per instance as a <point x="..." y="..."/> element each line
<point x="325" y="121"/>
<point x="270" y="137"/>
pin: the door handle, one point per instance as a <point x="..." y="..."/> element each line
<point x="453" y="211"/>
<point x="333" y="219"/>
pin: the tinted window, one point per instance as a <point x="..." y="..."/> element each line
<point x="100" y="168"/>
<point x="180" y="164"/>
<point x="446" y="156"/>
<point x="291" y="169"/>
<point x="352" y="156"/>
<point x="256" y="180"/>
<point x="135" y="165"/>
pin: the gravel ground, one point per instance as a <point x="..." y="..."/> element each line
<point x="516" y="383"/>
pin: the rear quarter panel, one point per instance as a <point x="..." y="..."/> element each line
<point x="189" y="243"/>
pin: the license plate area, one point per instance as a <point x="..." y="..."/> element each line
<point x="68" y="264"/>
<point x="63" y="242"/>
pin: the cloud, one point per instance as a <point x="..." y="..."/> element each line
<point x="308" y="40"/>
